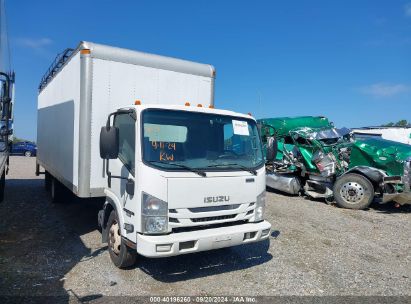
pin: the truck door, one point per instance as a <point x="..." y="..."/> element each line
<point x="124" y="165"/>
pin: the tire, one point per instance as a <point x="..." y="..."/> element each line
<point x="47" y="181"/>
<point x="56" y="191"/>
<point x="27" y="153"/>
<point x="121" y="255"/>
<point x="353" y="191"/>
<point x="2" y="185"/>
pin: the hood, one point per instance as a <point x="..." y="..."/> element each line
<point x="384" y="147"/>
<point x="380" y="153"/>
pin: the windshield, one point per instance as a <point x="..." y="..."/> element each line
<point x="326" y="136"/>
<point x="180" y="140"/>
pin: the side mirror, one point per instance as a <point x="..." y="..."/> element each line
<point x="6" y="108"/>
<point x="130" y="187"/>
<point x="5" y="132"/>
<point x="109" y="142"/>
<point x="272" y="149"/>
<point x="10" y="110"/>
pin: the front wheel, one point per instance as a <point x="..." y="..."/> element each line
<point x="353" y="191"/>
<point x="121" y="255"/>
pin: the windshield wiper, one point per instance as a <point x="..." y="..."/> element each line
<point x="244" y="168"/>
<point x="197" y="171"/>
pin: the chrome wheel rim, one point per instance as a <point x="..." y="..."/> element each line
<point x="353" y="192"/>
<point x="115" y="238"/>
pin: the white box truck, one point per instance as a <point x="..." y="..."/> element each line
<point x="178" y="176"/>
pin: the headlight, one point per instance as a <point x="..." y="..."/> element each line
<point x="154" y="215"/>
<point x="260" y="207"/>
<point x="155" y="224"/>
<point x="325" y="163"/>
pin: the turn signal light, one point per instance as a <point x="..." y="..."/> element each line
<point x="137" y="102"/>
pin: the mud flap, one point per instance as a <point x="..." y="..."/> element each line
<point x="103" y="228"/>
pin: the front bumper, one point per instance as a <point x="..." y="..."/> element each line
<point x="201" y="240"/>
<point x="404" y="197"/>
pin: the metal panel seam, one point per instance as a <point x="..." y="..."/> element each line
<point x="84" y="126"/>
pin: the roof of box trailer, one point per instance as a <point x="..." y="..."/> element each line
<point x="117" y="54"/>
<point x="145" y="59"/>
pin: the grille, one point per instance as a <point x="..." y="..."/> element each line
<point x="204" y="227"/>
<point x="213" y="218"/>
<point x="214" y="208"/>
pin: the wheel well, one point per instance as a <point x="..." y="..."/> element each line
<point x="375" y="176"/>
<point x="108" y="207"/>
<point x="107" y="210"/>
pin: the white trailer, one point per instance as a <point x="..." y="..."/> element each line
<point x="178" y="175"/>
<point x="399" y="134"/>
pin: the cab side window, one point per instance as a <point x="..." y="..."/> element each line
<point x="126" y="125"/>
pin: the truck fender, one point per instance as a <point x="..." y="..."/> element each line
<point x="112" y="203"/>
<point x="375" y="175"/>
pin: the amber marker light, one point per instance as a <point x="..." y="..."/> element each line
<point x="137" y="102"/>
<point x="85" y="52"/>
<point x="187" y="104"/>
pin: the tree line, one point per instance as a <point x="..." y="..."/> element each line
<point x="400" y="123"/>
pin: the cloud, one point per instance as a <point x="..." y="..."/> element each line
<point x="384" y="89"/>
<point x="35" y="44"/>
<point x="407" y="9"/>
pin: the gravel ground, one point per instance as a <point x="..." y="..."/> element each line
<point x="314" y="249"/>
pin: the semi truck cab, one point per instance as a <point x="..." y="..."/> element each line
<point x="180" y="179"/>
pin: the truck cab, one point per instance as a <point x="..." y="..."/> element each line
<point x="309" y="155"/>
<point x="181" y="179"/>
<point x="117" y="124"/>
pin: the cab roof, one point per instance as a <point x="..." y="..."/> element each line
<point x="283" y="125"/>
<point x="142" y="107"/>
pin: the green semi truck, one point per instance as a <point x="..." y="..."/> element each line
<point x="308" y="155"/>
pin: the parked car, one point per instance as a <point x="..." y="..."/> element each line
<point x="25" y="148"/>
<point x="308" y="155"/>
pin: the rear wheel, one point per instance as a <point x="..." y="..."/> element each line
<point x="353" y="191"/>
<point x="121" y="255"/>
<point x="56" y="191"/>
<point x="27" y="153"/>
<point x="47" y="181"/>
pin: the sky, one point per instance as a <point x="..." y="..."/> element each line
<point x="347" y="60"/>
